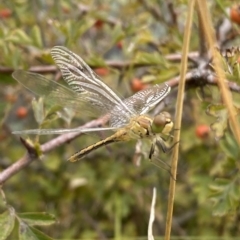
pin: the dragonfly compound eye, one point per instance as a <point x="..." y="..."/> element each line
<point x="164" y="122"/>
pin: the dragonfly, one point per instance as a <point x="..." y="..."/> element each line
<point x="85" y="93"/>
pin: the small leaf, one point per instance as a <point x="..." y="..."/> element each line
<point x="7" y="223"/>
<point x="36" y="36"/>
<point x="38" y="110"/>
<point x="230" y="146"/>
<point x="117" y="33"/>
<point x="220" y="112"/>
<point x="40" y="219"/>
<point x="96" y="61"/>
<point x="220" y="208"/>
<point x="46" y="57"/>
<point x="67" y="115"/>
<point x="225" y="195"/>
<point x="149" y="58"/>
<point x="167" y="73"/>
<point x="27" y="233"/>
<point x="19" y="36"/>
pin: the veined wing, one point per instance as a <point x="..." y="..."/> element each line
<point x="58" y="94"/>
<point x="140" y="103"/>
<point x="63" y="130"/>
<point x="143" y="101"/>
<point x="81" y="78"/>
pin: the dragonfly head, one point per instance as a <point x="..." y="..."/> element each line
<point x="163" y="122"/>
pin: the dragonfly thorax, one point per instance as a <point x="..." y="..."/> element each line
<point x="140" y="127"/>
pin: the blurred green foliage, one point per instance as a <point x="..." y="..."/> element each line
<point x="106" y="195"/>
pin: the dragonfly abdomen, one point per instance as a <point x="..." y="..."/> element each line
<point x="113" y="138"/>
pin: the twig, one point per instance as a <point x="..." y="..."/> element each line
<point x="152" y="216"/>
<point x="178" y="120"/>
<point x="114" y="64"/>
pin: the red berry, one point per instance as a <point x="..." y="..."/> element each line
<point x="98" y="24"/>
<point x="21" y="112"/>
<point x="235" y="14"/>
<point x="11" y="98"/>
<point x="202" y="131"/>
<point x="137" y="85"/>
<point x="5" y="13"/>
<point x="101" y="71"/>
<point x="119" y="45"/>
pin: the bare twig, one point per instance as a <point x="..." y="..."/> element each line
<point x="178" y="120"/>
<point x="113" y="64"/>
<point x="152" y="216"/>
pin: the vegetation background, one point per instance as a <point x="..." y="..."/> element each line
<point x="131" y="45"/>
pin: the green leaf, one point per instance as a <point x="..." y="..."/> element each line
<point x="20" y="37"/>
<point x="220" y="208"/>
<point x="220" y="112"/>
<point x="36" y="218"/>
<point x="67" y="115"/>
<point x="149" y="58"/>
<point x="38" y="110"/>
<point x="46" y="57"/>
<point x="7" y="223"/>
<point x="31" y="233"/>
<point x="51" y="113"/>
<point x="230" y="147"/>
<point x="36" y="37"/>
<point x="96" y="61"/>
<point x="167" y="74"/>
<point x="117" y="33"/>
<point x="225" y="194"/>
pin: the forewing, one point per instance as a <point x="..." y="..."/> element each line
<point x="81" y="78"/>
<point x="62" y="130"/>
<point x="139" y="103"/>
<point x="143" y="101"/>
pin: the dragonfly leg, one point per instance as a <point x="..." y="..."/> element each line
<point x="162" y="144"/>
<point x="152" y="150"/>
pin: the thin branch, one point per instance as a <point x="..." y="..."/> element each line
<point x="152" y="215"/>
<point x="113" y="64"/>
<point x="178" y="120"/>
<point x="15" y="168"/>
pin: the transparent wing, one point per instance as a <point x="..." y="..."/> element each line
<point x="81" y="78"/>
<point x="62" y="130"/>
<point x="58" y="94"/>
<point x="143" y="101"/>
<point x="140" y="103"/>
